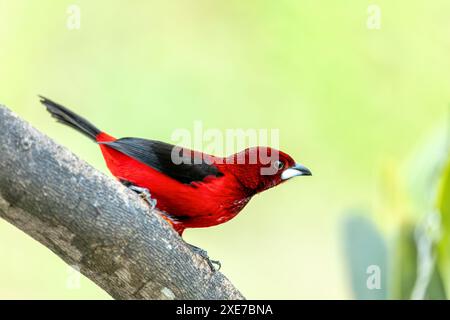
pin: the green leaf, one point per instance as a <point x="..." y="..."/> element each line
<point x="404" y="268"/>
<point x="444" y="244"/>
<point x="424" y="171"/>
<point x="436" y="289"/>
<point x="404" y="264"/>
<point x="366" y="254"/>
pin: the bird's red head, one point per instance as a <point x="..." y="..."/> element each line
<point x="261" y="168"/>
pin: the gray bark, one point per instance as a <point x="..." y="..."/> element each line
<point x="94" y="223"/>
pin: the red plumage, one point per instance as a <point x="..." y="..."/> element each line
<point x="222" y="189"/>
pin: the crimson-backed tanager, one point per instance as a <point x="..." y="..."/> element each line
<point x="203" y="192"/>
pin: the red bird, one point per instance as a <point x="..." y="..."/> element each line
<point x="202" y="192"/>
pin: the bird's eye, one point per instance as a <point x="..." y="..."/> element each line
<point x="278" y="165"/>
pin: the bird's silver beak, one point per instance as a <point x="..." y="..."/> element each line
<point x="294" y="171"/>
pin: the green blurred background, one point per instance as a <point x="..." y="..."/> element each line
<point x="351" y="103"/>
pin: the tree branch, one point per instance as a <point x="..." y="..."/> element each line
<point x="94" y="223"/>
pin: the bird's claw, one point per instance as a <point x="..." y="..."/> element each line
<point x="144" y="194"/>
<point x="214" y="265"/>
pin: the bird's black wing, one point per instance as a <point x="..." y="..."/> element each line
<point x="159" y="155"/>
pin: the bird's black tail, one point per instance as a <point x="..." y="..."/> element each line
<point x="67" y="117"/>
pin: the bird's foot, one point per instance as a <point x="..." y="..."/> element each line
<point x="144" y="194"/>
<point x="215" y="265"/>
